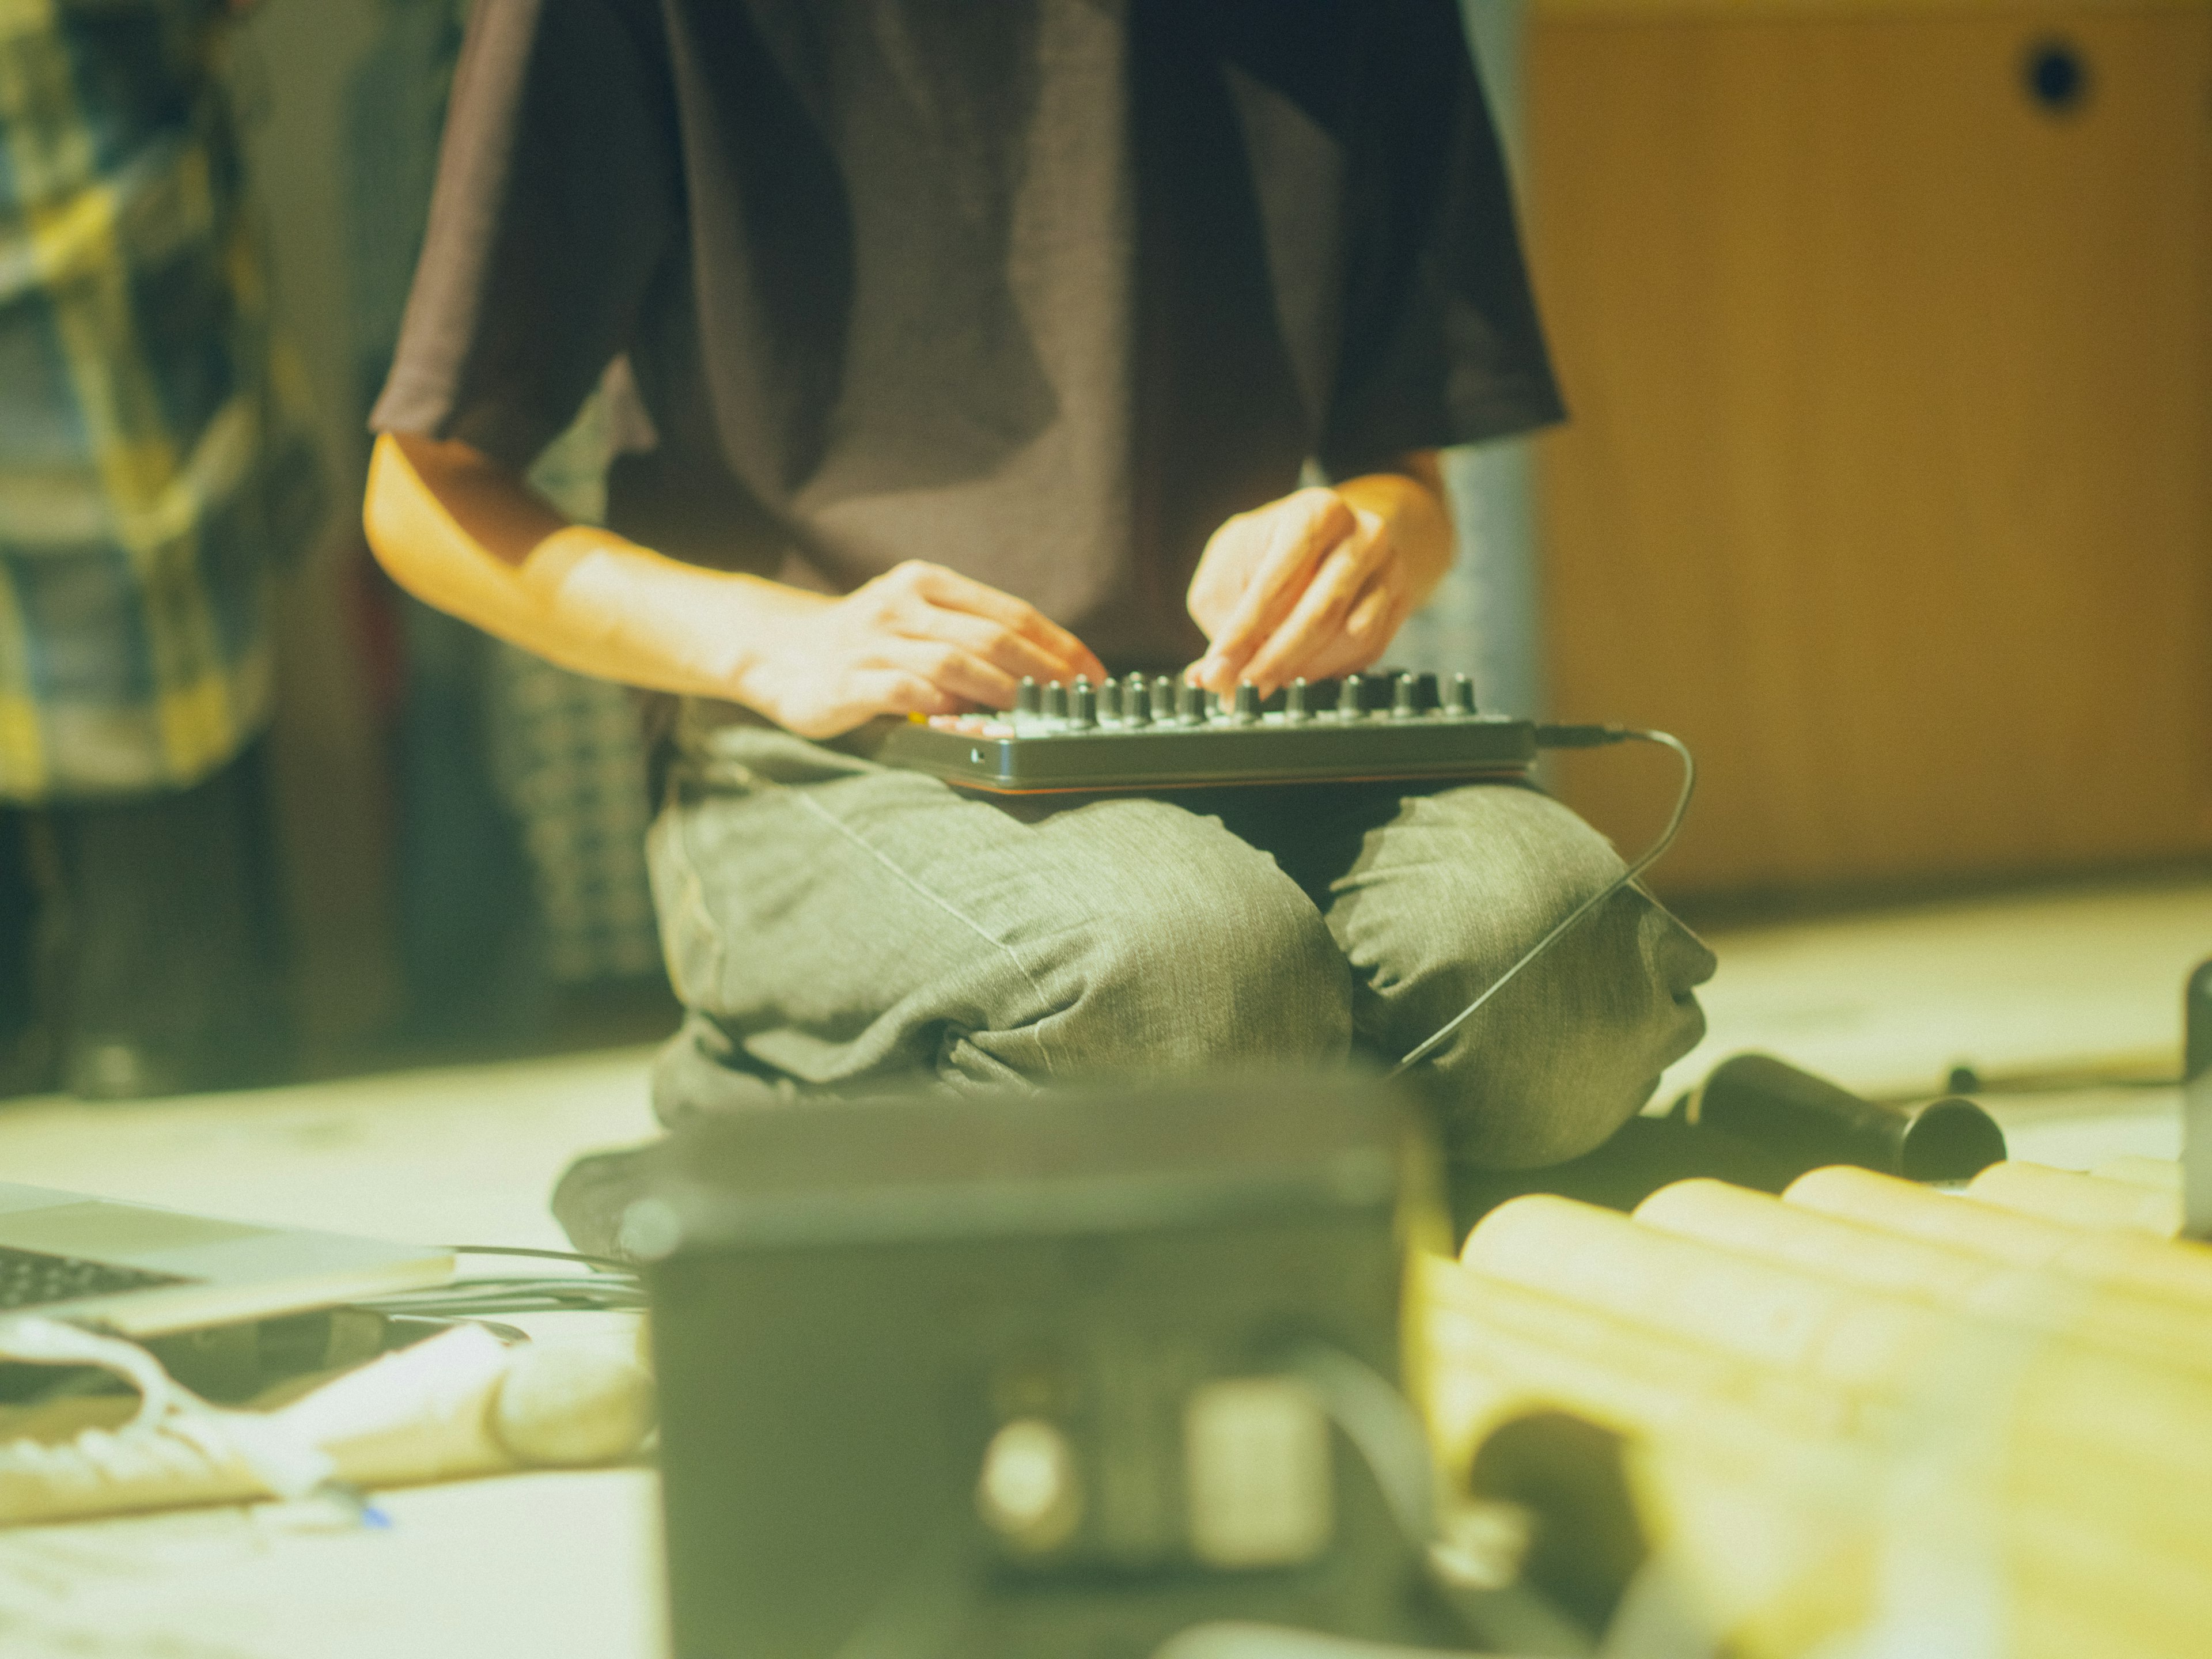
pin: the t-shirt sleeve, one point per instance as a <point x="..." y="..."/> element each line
<point x="1442" y="344"/>
<point x="556" y="205"/>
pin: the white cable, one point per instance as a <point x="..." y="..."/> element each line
<point x="1614" y="734"/>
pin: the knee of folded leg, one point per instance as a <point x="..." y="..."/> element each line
<point x="1578" y="1050"/>
<point x="1249" y="976"/>
<point x="1535" y="1123"/>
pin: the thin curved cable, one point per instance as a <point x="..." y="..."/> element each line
<point x="1614" y="734"/>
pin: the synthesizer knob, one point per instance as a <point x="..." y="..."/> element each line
<point x="1351" y="693"/>
<point x="1164" y="700"/>
<point x="1294" y="703"/>
<point x="1109" y="699"/>
<point x="1401" y="697"/>
<point x="1190" y="704"/>
<point x="1026" y="701"/>
<point x="1055" y="701"/>
<point x="1247" y="708"/>
<point x="1463" y="695"/>
<point x="1085" y="712"/>
<point x="1136" y="702"/>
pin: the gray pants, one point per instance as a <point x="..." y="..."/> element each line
<point x="835" y="924"/>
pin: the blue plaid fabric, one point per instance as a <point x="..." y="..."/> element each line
<point x="154" y="471"/>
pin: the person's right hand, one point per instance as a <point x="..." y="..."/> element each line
<point x="919" y="639"/>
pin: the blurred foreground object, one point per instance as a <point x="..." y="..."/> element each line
<point x="153" y="476"/>
<point x="1036" y="1374"/>
<point x="2079" y="1200"/>
<point x="1869" y="1417"/>
<point x="456" y="1405"/>
<point x="2197" y="1103"/>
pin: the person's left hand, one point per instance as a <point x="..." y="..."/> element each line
<point x="1318" y="583"/>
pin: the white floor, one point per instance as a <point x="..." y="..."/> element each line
<point x="2086" y="981"/>
<point x="554" y="1566"/>
<point x="2082" y="983"/>
<point x="463" y="1155"/>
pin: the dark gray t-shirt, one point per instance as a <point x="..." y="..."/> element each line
<point x="1040" y="290"/>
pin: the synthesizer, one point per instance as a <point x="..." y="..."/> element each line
<point x="1160" y="733"/>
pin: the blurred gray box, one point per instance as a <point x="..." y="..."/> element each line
<point x="1012" y="1376"/>
<point x="2197" y="1104"/>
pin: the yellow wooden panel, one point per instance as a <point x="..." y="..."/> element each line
<point x="1645" y="10"/>
<point x="1887" y="482"/>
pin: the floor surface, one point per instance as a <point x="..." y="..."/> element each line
<point x="2085" y="982"/>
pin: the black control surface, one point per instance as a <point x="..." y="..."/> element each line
<point x="1136" y="733"/>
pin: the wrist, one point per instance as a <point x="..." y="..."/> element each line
<point x="631" y="614"/>
<point x="1419" y="521"/>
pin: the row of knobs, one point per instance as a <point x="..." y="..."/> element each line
<point x="1167" y="702"/>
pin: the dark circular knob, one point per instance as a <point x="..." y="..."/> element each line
<point x="1402" y="706"/>
<point x="1085" y="712"/>
<point x="1055" y="701"/>
<point x="1026" y="695"/>
<point x="1294" y="702"/>
<point x="1247" y="703"/>
<point x="1109" y="699"/>
<point x="1163" y="699"/>
<point x="1190" y="703"/>
<point x="1136" y="700"/>
<point x="1349" y="697"/>
<point x="2056" y="75"/>
<point x="1462" y="695"/>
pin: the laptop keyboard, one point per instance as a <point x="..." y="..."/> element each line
<point x="30" y="1279"/>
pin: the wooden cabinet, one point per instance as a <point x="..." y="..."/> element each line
<point x="1889" y="482"/>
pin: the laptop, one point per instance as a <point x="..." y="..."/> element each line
<point x="141" y="1271"/>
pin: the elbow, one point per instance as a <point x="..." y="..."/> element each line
<point x="454" y="531"/>
<point x="383" y="513"/>
<point x="405" y="529"/>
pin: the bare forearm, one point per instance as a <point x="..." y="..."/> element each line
<point x="464" y="535"/>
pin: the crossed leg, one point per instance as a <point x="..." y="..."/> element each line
<point x="833" y="924"/>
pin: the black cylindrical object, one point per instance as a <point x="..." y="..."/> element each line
<point x="2197" y="1022"/>
<point x="2197" y="1103"/>
<point x="1808" y="1119"/>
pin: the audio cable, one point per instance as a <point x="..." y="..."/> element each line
<point x="1578" y="737"/>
